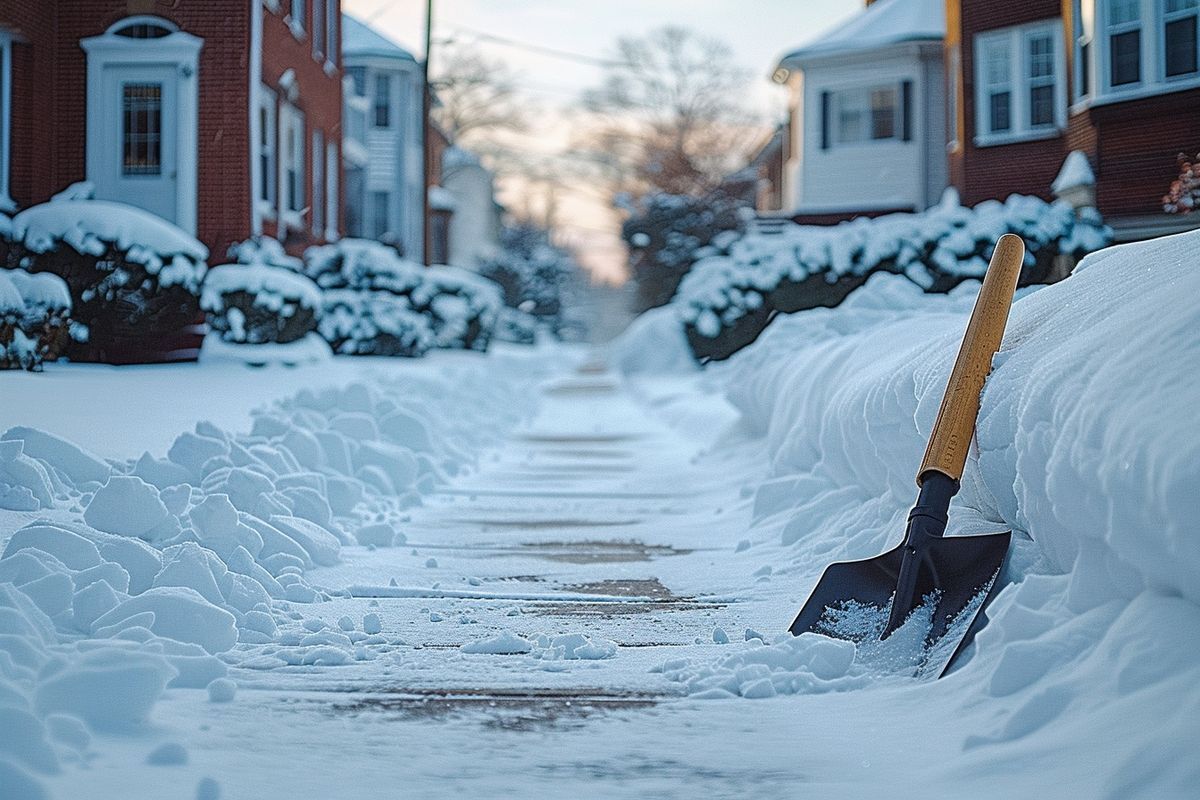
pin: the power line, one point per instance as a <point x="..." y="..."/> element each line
<point x="537" y="48"/>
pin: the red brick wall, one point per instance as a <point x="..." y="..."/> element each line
<point x="33" y="96"/>
<point x="996" y="171"/>
<point x="319" y="97"/>
<point x="1132" y="146"/>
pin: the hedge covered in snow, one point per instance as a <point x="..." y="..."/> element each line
<point x="35" y="323"/>
<point x="536" y="278"/>
<point x="726" y="300"/>
<point x="134" y="278"/>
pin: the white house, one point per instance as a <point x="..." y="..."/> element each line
<point x="383" y="139"/>
<point x="475" y="225"/>
<point x="867" y="124"/>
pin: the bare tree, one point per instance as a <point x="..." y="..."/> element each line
<point x="671" y="111"/>
<point x="475" y="95"/>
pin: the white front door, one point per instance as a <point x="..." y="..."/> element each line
<point x="139" y="129"/>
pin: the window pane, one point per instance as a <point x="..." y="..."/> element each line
<point x="997" y="62"/>
<point x="1122" y="11"/>
<point x="1085" y="72"/>
<point x="359" y="76"/>
<point x="1181" y="46"/>
<point x="852" y="113"/>
<point x="1126" y="54"/>
<point x="380" y="202"/>
<point x="883" y="114"/>
<point x="1181" y="5"/>
<point x="383" y="92"/>
<point x="141" y="136"/>
<point x="1041" y="56"/>
<point x="1041" y="106"/>
<point x="1000" y="117"/>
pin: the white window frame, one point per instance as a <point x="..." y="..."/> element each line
<point x="320" y="38"/>
<point x="1016" y="39"/>
<point x="318" y="182"/>
<point x="267" y="153"/>
<point x="332" y="163"/>
<point x="1161" y="26"/>
<point x="291" y="203"/>
<point x="295" y="17"/>
<point x="840" y="96"/>
<point x="333" y="35"/>
<point x="1110" y="28"/>
<point x="1084" y="28"/>
<point x="1153" y="18"/>
<point x="6" y="201"/>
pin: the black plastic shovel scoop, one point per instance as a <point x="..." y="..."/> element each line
<point x="945" y="581"/>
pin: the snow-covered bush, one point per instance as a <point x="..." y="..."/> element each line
<point x="1184" y="195"/>
<point x="462" y="306"/>
<point x="134" y="278"/>
<point x="725" y="301"/>
<point x="373" y="323"/>
<point x="459" y="306"/>
<point x="260" y="303"/>
<point x="535" y="277"/>
<point x="42" y="325"/>
<point x="667" y="234"/>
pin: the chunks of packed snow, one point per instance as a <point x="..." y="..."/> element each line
<point x="108" y="687"/>
<point x="504" y="644"/>
<point x="179" y="613"/>
<point x="72" y="461"/>
<point x="126" y="505"/>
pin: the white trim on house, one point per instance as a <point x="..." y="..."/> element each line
<point x="332" y="163"/>
<point x="6" y="40"/>
<point x="258" y="208"/>
<point x="297" y="9"/>
<point x="291" y="159"/>
<point x="317" y="215"/>
<point x="177" y="48"/>
<point x="1004" y="65"/>
<point x="266" y="155"/>
<point x="1096" y="23"/>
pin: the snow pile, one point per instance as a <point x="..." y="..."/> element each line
<point x="545" y="647"/>
<point x="34" y="318"/>
<point x="801" y="266"/>
<point x="653" y="343"/>
<point x="1086" y="448"/>
<point x="123" y="579"/>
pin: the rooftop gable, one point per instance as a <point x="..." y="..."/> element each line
<point x="360" y="39"/>
<point x="883" y="23"/>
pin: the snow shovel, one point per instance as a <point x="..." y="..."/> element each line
<point x="954" y="576"/>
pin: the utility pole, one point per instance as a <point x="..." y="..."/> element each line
<point x="426" y="145"/>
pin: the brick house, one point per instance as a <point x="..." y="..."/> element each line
<point x="1119" y="80"/>
<point x="223" y="116"/>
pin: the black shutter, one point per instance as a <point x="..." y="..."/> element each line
<point x="824" y="120"/>
<point x="906" y="111"/>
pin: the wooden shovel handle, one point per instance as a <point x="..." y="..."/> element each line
<point x="951" y="437"/>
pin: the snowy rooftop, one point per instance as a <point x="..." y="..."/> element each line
<point x="359" y="39"/>
<point x="883" y="23"/>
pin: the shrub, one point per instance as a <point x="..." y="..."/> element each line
<point x="45" y="320"/>
<point x="535" y="276"/>
<point x="260" y="303"/>
<point x="374" y="323"/>
<point x="1183" y="196"/>
<point x="134" y="278"/>
<point x="462" y="307"/>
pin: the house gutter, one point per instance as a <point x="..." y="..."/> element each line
<point x="256" y="26"/>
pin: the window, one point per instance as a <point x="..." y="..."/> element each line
<point x="1180" y="50"/>
<point x="291" y="148"/>
<point x="296" y="17"/>
<point x="865" y="115"/>
<point x="1124" y="42"/>
<point x="1040" y="74"/>
<point x="141" y="129"/>
<point x="1020" y="91"/>
<point x="266" y="146"/>
<point x="331" y="191"/>
<point x="955" y="67"/>
<point x="6" y="203"/>
<point x="358" y="76"/>
<point x="331" y="29"/>
<point x="379" y="207"/>
<point x="320" y="44"/>
<point x="383" y="101"/>
<point x="318" y="182"/>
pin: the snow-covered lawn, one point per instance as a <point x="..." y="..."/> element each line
<point x="524" y="573"/>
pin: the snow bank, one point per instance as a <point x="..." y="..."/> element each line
<point x="1086" y="448"/>
<point x="653" y="343"/>
<point x="545" y="647"/>
<point x="159" y="572"/>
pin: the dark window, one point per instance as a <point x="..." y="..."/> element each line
<point x="1181" y="47"/>
<point x="265" y="141"/>
<point x="1041" y="106"/>
<point x="383" y="101"/>
<point x="883" y="113"/>
<point x="1085" y="72"/>
<point x="382" y="215"/>
<point x="143" y="30"/>
<point x="359" y="77"/>
<point x="1126" y="54"/>
<point x="141" y="137"/>
<point x="1000" y="119"/>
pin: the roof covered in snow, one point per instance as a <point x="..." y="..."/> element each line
<point x="360" y="39"/>
<point x="886" y="22"/>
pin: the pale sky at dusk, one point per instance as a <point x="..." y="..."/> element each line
<point x="757" y="30"/>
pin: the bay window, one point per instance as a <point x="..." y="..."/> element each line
<point x="1124" y="33"/>
<point x="865" y="115"/>
<point x="1181" y="53"/>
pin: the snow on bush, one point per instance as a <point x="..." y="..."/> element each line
<point x="1086" y="447"/>
<point x="535" y="277"/>
<point x="462" y="306"/>
<point x="378" y="323"/>
<point x="725" y="301"/>
<point x="134" y="278"/>
<point x="123" y="579"/>
<point x="35" y="320"/>
<point x="362" y="264"/>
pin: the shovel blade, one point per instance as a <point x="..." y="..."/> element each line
<point x="957" y="576"/>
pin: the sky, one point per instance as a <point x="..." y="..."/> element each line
<point x="758" y="31"/>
